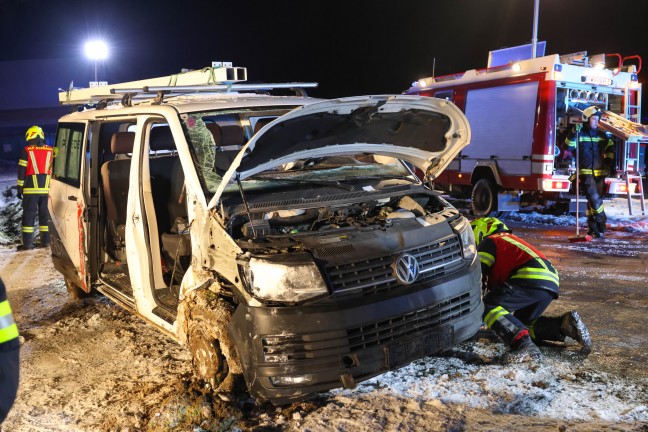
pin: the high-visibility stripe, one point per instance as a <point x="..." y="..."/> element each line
<point x="48" y="162"/>
<point x="27" y="229"/>
<point x="531" y="328"/>
<point x="43" y="228"/>
<point x="486" y="258"/>
<point x="21" y="182"/>
<point x="22" y="162"/>
<point x="8" y="327"/>
<point x="35" y="191"/>
<point x="32" y="156"/>
<point x="494" y="315"/>
<point x="536" y="273"/>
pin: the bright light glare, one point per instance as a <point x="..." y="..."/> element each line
<point x="96" y="50"/>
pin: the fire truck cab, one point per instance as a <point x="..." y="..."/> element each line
<point x="520" y="113"/>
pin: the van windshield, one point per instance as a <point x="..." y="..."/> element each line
<point x="216" y="137"/>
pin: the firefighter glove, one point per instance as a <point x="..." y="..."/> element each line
<point x="578" y="127"/>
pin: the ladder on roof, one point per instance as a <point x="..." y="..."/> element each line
<point x="206" y="80"/>
<point x="637" y="191"/>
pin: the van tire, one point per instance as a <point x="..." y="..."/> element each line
<point x="207" y="359"/>
<point x="483" y="198"/>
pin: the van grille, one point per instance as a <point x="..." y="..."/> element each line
<point x="284" y="348"/>
<point x="370" y="276"/>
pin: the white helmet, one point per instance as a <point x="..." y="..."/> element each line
<point x="591" y="111"/>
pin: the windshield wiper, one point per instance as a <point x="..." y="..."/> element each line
<point x="384" y="177"/>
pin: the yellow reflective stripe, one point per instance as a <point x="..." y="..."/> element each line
<point x="43" y="228"/>
<point x="586" y="171"/>
<point x="570" y="143"/>
<point x="600" y="172"/>
<point x="8" y="328"/>
<point x="27" y="229"/>
<point x="47" y="162"/>
<point x="486" y="258"/>
<point x="33" y="161"/>
<point x="494" y="315"/>
<point x="21" y="182"/>
<point x="531" y="328"/>
<point x="22" y="162"/>
<point x="536" y="273"/>
<point x="599" y="209"/>
<point x="34" y="181"/>
<point x="524" y="248"/>
<point x="47" y="182"/>
<point x="35" y="191"/>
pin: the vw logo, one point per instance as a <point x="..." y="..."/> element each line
<point x="406" y="269"/>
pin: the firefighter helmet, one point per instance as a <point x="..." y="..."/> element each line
<point x="484" y="227"/>
<point x="34" y="132"/>
<point x="591" y="111"/>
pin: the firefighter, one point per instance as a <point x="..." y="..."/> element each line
<point x="520" y="283"/>
<point x="34" y="170"/>
<point x="9" y="355"/>
<point x="595" y="161"/>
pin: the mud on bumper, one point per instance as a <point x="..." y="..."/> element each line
<point x="291" y="353"/>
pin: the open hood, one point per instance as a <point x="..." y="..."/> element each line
<point x="424" y="131"/>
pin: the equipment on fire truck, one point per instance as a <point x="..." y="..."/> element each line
<point x="520" y="113"/>
<point x="578" y="237"/>
<point x="214" y="79"/>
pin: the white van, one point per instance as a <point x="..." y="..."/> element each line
<point x="283" y="239"/>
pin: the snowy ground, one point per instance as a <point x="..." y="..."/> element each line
<point x="94" y="367"/>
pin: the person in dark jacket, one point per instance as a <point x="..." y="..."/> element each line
<point x="595" y="161"/>
<point x="520" y="283"/>
<point x="9" y="355"/>
<point x="34" y="171"/>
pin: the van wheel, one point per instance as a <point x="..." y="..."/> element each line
<point x="484" y="197"/>
<point x="209" y="363"/>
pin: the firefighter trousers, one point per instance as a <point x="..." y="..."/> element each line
<point x="510" y="308"/>
<point x="593" y="190"/>
<point x="35" y="205"/>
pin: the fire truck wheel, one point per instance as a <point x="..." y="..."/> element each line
<point x="484" y="197"/>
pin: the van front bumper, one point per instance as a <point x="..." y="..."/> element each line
<point x="291" y="353"/>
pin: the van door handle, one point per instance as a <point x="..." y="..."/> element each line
<point x="72" y="198"/>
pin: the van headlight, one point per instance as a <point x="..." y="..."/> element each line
<point x="467" y="238"/>
<point x="286" y="278"/>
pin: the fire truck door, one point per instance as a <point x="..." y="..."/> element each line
<point x="502" y="121"/>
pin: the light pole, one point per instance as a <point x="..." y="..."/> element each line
<point x="96" y="50"/>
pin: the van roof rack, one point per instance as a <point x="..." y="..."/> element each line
<point x="206" y="80"/>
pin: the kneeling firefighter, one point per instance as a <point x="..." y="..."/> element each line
<point x="520" y="284"/>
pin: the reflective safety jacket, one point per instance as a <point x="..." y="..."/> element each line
<point x="595" y="151"/>
<point x="507" y="258"/>
<point x="8" y="328"/>
<point x="35" y="169"/>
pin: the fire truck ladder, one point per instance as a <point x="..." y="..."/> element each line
<point x="638" y="191"/>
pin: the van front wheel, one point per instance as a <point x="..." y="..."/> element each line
<point x="209" y="363"/>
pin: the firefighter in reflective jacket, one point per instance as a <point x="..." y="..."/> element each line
<point x="520" y="284"/>
<point x="9" y="353"/>
<point x="34" y="171"/>
<point x="595" y="160"/>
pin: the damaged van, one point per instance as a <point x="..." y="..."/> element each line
<point x="284" y="240"/>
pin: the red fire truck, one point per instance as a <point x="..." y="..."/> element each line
<point x="520" y="113"/>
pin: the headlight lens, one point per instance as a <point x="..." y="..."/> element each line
<point x="468" y="248"/>
<point x="286" y="278"/>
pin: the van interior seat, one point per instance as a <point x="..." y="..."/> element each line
<point x="115" y="179"/>
<point x="167" y="185"/>
<point x="262" y="122"/>
<point x="229" y="139"/>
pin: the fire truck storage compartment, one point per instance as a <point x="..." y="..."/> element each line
<point x="502" y="120"/>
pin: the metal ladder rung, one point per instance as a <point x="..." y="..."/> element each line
<point x="638" y="191"/>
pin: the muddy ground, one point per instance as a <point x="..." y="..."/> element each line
<point x="91" y="366"/>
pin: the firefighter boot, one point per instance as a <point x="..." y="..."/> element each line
<point x="546" y="329"/>
<point x="514" y="334"/>
<point x="525" y="350"/>
<point x="572" y="326"/>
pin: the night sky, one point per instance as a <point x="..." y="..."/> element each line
<point x="350" y="47"/>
